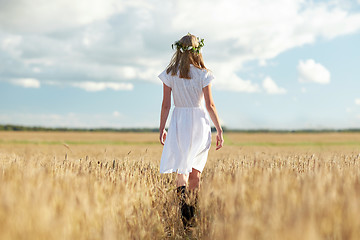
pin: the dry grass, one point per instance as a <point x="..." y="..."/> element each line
<point x="108" y="186"/>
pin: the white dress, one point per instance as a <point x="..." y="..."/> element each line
<point x="189" y="135"/>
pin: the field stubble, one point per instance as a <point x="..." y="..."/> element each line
<point x="108" y="186"/>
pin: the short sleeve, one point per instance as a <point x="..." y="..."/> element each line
<point x="208" y="78"/>
<point x="164" y="77"/>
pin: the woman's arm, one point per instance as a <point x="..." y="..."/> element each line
<point x="165" y="108"/>
<point x="210" y="106"/>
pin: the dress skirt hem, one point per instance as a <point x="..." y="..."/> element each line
<point x="188" y="141"/>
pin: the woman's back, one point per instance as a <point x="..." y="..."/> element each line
<point x="187" y="144"/>
<point x="188" y="92"/>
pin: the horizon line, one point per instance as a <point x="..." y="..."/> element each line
<point x="12" y="127"/>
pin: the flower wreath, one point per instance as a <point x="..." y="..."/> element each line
<point x="182" y="48"/>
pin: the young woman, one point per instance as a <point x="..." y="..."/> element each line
<point x="187" y="144"/>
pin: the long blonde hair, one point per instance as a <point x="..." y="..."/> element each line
<point x="181" y="61"/>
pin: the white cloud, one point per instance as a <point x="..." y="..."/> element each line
<point x="237" y="84"/>
<point x="11" y="44"/>
<point x="100" y="86"/>
<point x="262" y="63"/>
<point x="36" y="70"/>
<point x="225" y="79"/>
<point x="270" y="87"/>
<point x="263" y="29"/>
<point x="130" y="40"/>
<point x="55" y="15"/>
<point x="26" y="82"/>
<point x="303" y="90"/>
<point x="310" y="71"/>
<point x="116" y="114"/>
<point x="357" y="101"/>
<point x="53" y="83"/>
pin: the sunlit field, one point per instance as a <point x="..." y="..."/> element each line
<point x="57" y="185"/>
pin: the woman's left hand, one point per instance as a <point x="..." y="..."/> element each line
<point x="163" y="134"/>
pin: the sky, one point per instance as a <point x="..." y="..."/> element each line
<point x="280" y="64"/>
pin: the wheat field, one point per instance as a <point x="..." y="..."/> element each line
<point x="73" y="185"/>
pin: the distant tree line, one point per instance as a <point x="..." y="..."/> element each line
<point x="63" y="129"/>
<point x="10" y="127"/>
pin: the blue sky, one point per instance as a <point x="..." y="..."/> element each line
<point x="278" y="64"/>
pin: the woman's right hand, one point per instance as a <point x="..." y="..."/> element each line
<point x="219" y="140"/>
<point x="163" y="134"/>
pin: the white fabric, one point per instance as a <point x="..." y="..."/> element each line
<point x="189" y="135"/>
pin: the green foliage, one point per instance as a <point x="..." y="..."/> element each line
<point x="10" y="127"/>
<point x="182" y="48"/>
<point x="47" y="129"/>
